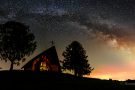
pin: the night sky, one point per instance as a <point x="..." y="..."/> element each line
<point x="105" y="28"/>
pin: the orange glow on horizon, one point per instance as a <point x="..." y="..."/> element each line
<point x="114" y="72"/>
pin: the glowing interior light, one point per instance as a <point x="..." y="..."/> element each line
<point x="43" y="66"/>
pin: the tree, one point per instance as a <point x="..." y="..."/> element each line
<point x="75" y="59"/>
<point x="16" y="42"/>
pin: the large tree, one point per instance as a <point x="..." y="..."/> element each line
<point x="16" y="42"/>
<point x="75" y="58"/>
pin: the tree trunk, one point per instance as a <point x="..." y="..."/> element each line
<point x="11" y="66"/>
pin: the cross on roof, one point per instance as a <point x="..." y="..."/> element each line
<point x="52" y="43"/>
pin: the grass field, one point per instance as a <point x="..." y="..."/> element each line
<point x="51" y="80"/>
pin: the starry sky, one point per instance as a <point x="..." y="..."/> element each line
<point x="105" y="28"/>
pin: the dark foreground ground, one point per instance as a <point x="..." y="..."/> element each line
<point x="28" y="80"/>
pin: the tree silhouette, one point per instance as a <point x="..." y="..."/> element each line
<point x="75" y="59"/>
<point x="16" y="42"/>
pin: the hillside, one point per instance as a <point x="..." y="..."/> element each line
<point x="50" y="80"/>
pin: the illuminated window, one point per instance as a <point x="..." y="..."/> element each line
<point x="43" y="66"/>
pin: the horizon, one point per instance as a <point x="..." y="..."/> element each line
<point x="106" y="30"/>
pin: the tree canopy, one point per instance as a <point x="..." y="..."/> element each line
<point x="75" y="58"/>
<point x="16" y="42"/>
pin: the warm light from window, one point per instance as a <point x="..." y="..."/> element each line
<point x="43" y="66"/>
